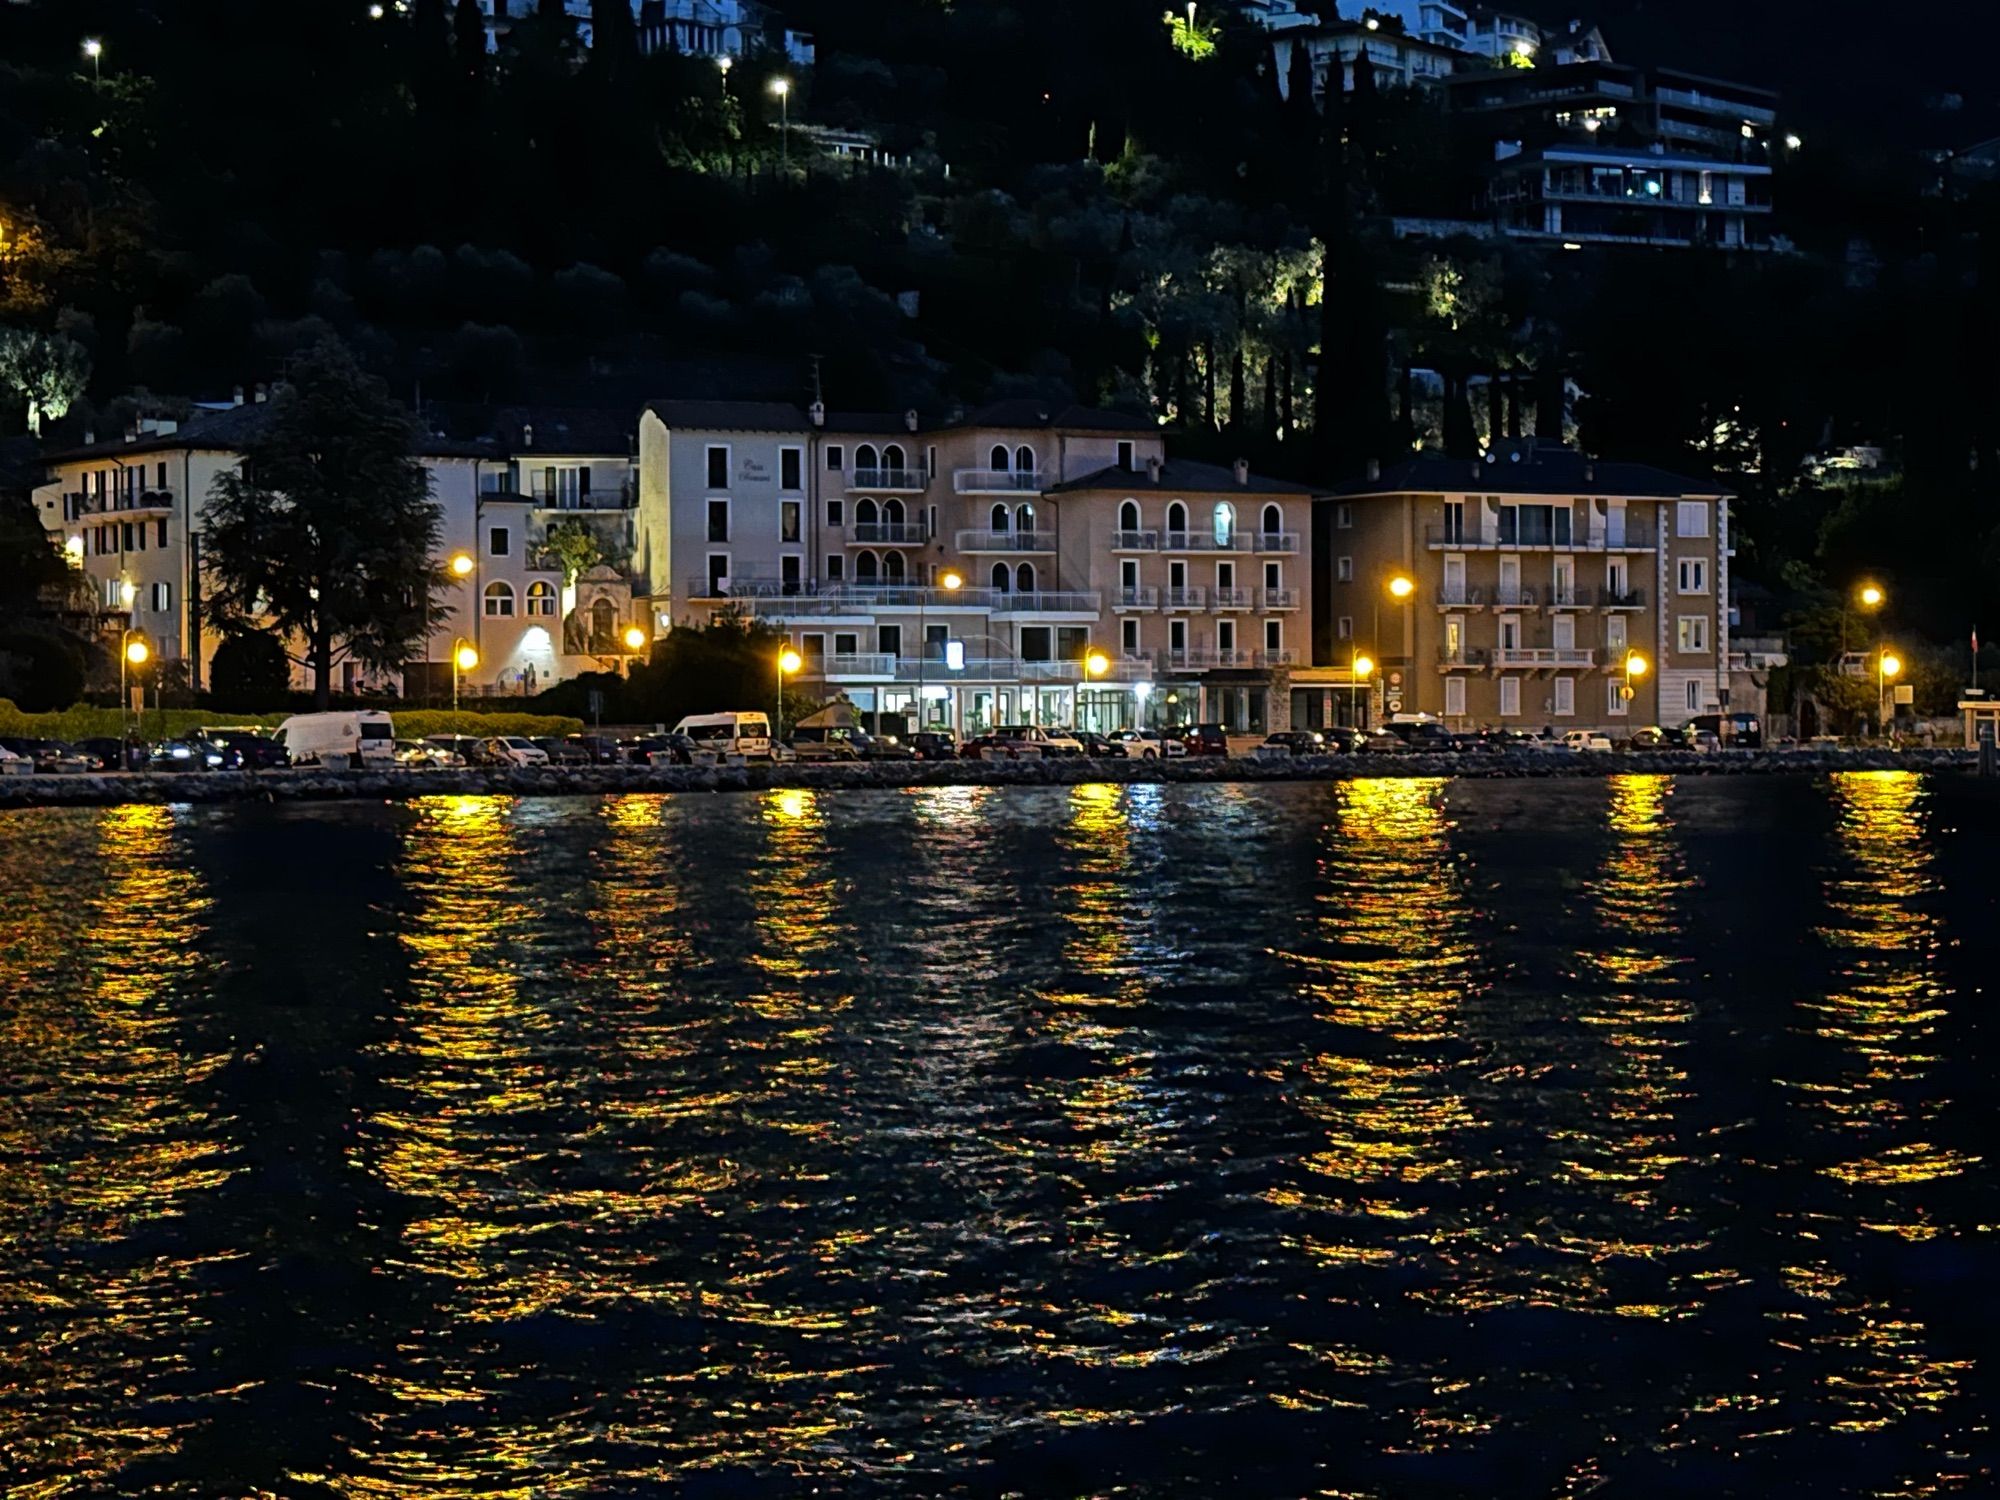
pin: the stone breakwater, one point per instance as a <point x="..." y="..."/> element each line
<point x="598" y="781"/>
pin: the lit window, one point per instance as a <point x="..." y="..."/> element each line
<point x="499" y="600"/>
<point x="1691" y="518"/>
<point x="541" y="598"/>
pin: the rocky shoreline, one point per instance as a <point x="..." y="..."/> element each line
<point x="598" y="781"/>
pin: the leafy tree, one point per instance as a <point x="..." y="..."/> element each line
<point x="328" y="535"/>
<point x="40" y="668"/>
<point x="49" y="371"/>
<point x="251" y="672"/>
<point x="576" y="546"/>
<point x="31" y="569"/>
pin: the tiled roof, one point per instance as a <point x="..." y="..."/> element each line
<point x="1027" y="412"/>
<point x="731" y="416"/>
<point x="1546" y="473"/>
<point x="1182" y="476"/>
<point x="230" y="430"/>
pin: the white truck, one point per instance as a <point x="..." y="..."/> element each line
<point x="346" y="739"/>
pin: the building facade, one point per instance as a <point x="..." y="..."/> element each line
<point x="969" y="573"/>
<point x="1550" y="591"/>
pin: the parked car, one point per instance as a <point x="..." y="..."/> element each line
<point x="462" y="748"/>
<point x="1009" y="742"/>
<point x="1053" y="741"/>
<point x="249" y="748"/>
<point x="1423" y="733"/>
<point x="1147" y="744"/>
<point x="1702" y="741"/>
<point x="934" y="744"/>
<point x="886" y="747"/>
<point x="1652" y="737"/>
<point x="1096" y="746"/>
<point x="1292" y="742"/>
<point x="1382" y="742"/>
<point x="50" y="757"/>
<point x="598" y="749"/>
<point x="659" y="750"/>
<point x="421" y="755"/>
<point x="833" y="748"/>
<point x="110" y="754"/>
<point x="13" y="764"/>
<point x="344" y="738"/>
<point x="1206" y="739"/>
<point x="560" y="751"/>
<point x="511" y="750"/>
<point x="191" y="754"/>
<point x="1344" y="739"/>
<point x="1739" y="731"/>
<point x="1587" y="739"/>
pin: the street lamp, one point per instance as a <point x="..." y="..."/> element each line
<point x="461" y="565"/>
<point x="782" y="87"/>
<point x="464" y="657"/>
<point x="788" y="661"/>
<point x="1871" y="598"/>
<point x="1362" y="670"/>
<point x="94" y="50"/>
<point x="951" y="583"/>
<point x="1635" y="666"/>
<point x="725" y="63"/>
<point x="1887" y="665"/>
<point x="1401" y="588"/>
<point x="132" y="652"/>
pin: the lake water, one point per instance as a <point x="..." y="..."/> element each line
<point x="1385" y="1139"/>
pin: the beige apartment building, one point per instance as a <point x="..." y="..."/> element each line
<point x="1550" y="591"/>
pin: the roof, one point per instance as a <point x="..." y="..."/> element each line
<point x="1027" y="412"/>
<point x="1182" y="476"/>
<point x="731" y="416"/>
<point x="556" y="431"/>
<point x="1545" y="473"/>
<point x="230" y="430"/>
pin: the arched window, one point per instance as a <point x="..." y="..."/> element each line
<point x="1274" y="520"/>
<point x="892" y="512"/>
<point x="864" y="457"/>
<point x="603" y="625"/>
<point x="1225" y="523"/>
<point x="1000" y="578"/>
<point x="542" y="599"/>
<point x="1024" y="518"/>
<point x="999" y="518"/>
<point x="499" y="601"/>
<point x="1024" y="460"/>
<point x="1177" y="517"/>
<point x="1128" y="516"/>
<point x="865" y="568"/>
<point x="892" y="457"/>
<point x="892" y="567"/>
<point x="997" y="459"/>
<point x="1024" y="578"/>
<point x="864" y="513"/>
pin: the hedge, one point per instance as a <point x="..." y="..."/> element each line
<point x="84" y="723"/>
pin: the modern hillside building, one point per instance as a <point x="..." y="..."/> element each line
<point x="712" y="29"/>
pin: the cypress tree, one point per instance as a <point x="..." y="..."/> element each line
<point x="468" y="37"/>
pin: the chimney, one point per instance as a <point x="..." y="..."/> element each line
<point x="236" y="396"/>
<point x="1242" y="472"/>
<point x="89" y="436"/>
<point x="1590" y="473"/>
<point x="1153" y="470"/>
<point x="263" y="393"/>
<point x="1374" y="468"/>
<point x="527" y="434"/>
<point x="817" y="411"/>
<point x="910" y="419"/>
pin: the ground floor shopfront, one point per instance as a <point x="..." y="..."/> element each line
<point x="970" y="708"/>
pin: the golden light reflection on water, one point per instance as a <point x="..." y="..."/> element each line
<point x="102" y="1139"/>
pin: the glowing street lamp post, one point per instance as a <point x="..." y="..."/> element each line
<point x="1401" y="588"/>
<point x="1095" y="665"/>
<point x="782" y="87"/>
<point x="788" y="661"/>
<point x="464" y="658"/>
<point x="134" y="652"/>
<point x="1887" y="666"/>
<point x="1870" y="597"/>
<point x="951" y="583"/>
<point x="94" y="50"/>
<point x="1361" y="671"/>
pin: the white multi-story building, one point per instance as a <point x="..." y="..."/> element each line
<point x="698" y="28"/>
<point x="129" y="512"/>
<point x="977" y="567"/>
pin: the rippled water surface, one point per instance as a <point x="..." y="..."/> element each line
<point x="1393" y="1138"/>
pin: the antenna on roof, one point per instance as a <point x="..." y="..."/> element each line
<point x="819" y="394"/>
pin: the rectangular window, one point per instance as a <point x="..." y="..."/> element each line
<point x="1454" y="520"/>
<point x="125" y="537"/>
<point x="1565" y="697"/>
<point x="1344" y="628"/>
<point x="788" y="520"/>
<point x="1125" y="452"/>
<point x="718" y="520"/>
<point x="847" y="644"/>
<point x="836" y="568"/>
<point x="789" y="571"/>
<point x="160" y="540"/>
<point x="1510" y="697"/>
<point x="163" y="474"/>
<point x="1343" y="515"/>
<point x="1454" y="696"/>
<point x="1343" y="569"/>
<point x="1177" y="635"/>
<point x="1693" y="575"/>
<point x="718" y="574"/>
<point x="1691" y="518"/>
<point x="931" y="460"/>
<point x="1614" y="697"/>
<point x="1274" y="575"/>
<point x="1176" y="575"/>
<point x="498" y="543"/>
<point x="791" y="468"/>
<point x="1274" y="635"/>
<point x="1225" y="635"/>
<point x="163" y="597"/>
<point x="1614" y="636"/>
<point x="1694" y="696"/>
<point x="1036" y="643"/>
<point x="1128" y="573"/>
<point x="836" y="512"/>
<point x="1225" y="575"/>
<point x="718" y="468"/>
<point x="143" y="529"/>
<point x="889" y="639"/>
<point x="1128" y="636"/>
<point x="1691" y="633"/>
<point x="812" y="647"/>
<point x="836" y="457"/>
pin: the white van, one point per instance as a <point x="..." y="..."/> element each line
<point x="748" y="735"/>
<point x="348" y="738"/>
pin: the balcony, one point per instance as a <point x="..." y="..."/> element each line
<point x="772" y="598"/>
<point x="1562" y="596"/>
<point x="1622" y="599"/>
<point x="1461" y="596"/>
<point x="847" y="668"/>
<point x="1202" y="659"/>
<point x="1229" y="599"/>
<point x="1278" y="599"/>
<point x="1006" y="541"/>
<point x="1128" y="599"/>
<point x="1283" y="657"/>
<point x="888" y="534"/>
<point x="1187" y="598"/>
<point x="1135" y="541"/>
<point x="881" y="480"/>
<point x="129" y="505"/>
<point x="1204" y="541"/>
<point x="1274" y="541"/>
<point x="1046" y="602"/>
<point x="997" y="481"/>
<point x="1465" y="659"/>
<point x="1513" y="596"/>
<point x="1478" y="539"/>
<point x="1013" y="669"/>
<point x="1544" y="656"/>
<point x="612" y="497"/>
